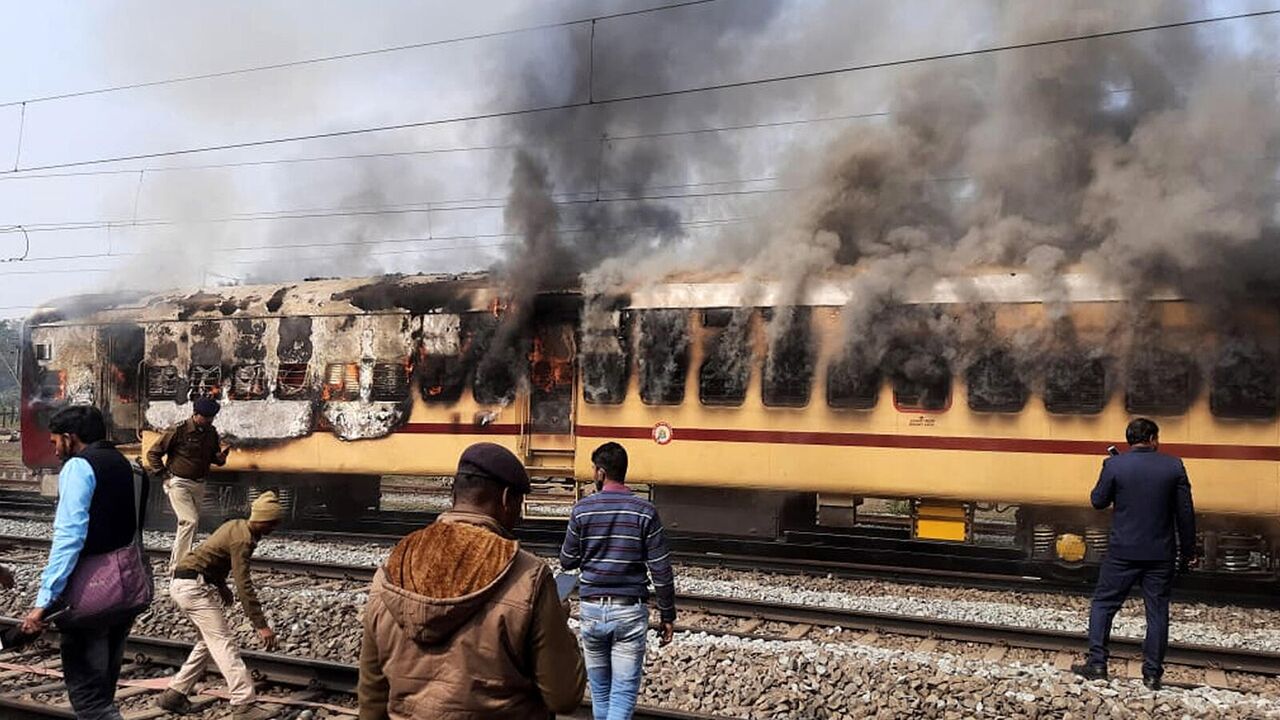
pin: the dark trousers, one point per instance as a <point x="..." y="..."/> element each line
<point x="1116" y="578"/>
<point x="91" y="666"/>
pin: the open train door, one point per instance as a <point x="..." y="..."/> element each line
<point x="549" y="440"/>
<point x="121" y="347"/>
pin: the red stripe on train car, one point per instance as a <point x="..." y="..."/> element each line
<point x="927" y="442"/>
<point x="460" y="428"/>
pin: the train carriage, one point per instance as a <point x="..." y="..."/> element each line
<point x="740" y="407"/>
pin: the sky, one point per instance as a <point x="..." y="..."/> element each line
<point x="424" y="198"/>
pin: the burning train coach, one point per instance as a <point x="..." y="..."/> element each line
<point x="745" y="414"/>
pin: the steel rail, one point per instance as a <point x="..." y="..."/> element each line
<point x="269" y="667"/>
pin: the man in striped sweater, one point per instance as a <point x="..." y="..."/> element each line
<point x="616" y="539"/>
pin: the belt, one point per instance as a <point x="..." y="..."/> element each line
<point x="181" y="574"/>
<point x="611" y="600"/>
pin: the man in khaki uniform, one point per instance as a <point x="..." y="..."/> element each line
<point x="462" y="624"/>
<point x="191" y="447"/>
<point x="199" y="588"/>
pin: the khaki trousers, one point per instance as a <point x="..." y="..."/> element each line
<point x="200" y="602"/>
<point x="185" y="497"/>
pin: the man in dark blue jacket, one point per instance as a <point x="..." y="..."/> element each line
<point x="1154" y="523"/>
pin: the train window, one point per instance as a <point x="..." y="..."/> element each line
<point x="1244" y="384"/>
<point x="341" y="381"/>
<point x="1159" y="382"/>
<point x="291" y="381"/>
<point x="606" y="361"/>
<point x="53" y="385"/>
<point x="851" y="385"/>
<point x="390" y="382"/>
<point x="726" y="368"/>
<point x="663" y="360"/>
<point x="44" y="351"/>
<point x="994" y="384"/>
<point x="920" y="382"/>
<point x="442" y="378"/>
<point x="206" y="381"/>
<point x="1075" y="385"/>
<point x="249" y="382"/>
<point x="162" y="382"/>
<point x="788" y="368"/>
<point x="497" y="369"/>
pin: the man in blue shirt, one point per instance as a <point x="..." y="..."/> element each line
<point x="618" y="542"/>
<point x="1154" y="522"/>
<point x="97" y="513"/>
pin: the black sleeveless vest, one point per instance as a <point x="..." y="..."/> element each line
<point x="112" y="513"/>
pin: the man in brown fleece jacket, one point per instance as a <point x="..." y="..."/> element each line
<point x="461" y="623"/>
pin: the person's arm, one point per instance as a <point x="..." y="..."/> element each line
<point x="219" y="457"/>
<point x="372" y="688"/>
<point x="558" y="669"/>
<point x="70" y="527"/>
<point x="571" y="549"/>
<point x="155" y="453"/>
<point x="658" y="561"/>
<point x="1185" y="515"/>
<point x="240" y="554"/>
<point x="1104" y="493"/>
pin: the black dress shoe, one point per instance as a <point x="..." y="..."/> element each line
<point x="1089" y="671"/>
<point x="1151" y="681"/>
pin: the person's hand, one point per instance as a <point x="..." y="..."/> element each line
<point x="222" y="453"/>
<point x="6" y="578"/>
<point x="666" y="631"/>
<point x="224" y="592"/>
<point x="1187" y="563"/>
<point x="33" y="623"/>
<point x="268" y="637"/>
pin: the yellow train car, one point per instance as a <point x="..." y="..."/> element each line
<point x="743" y="409"/>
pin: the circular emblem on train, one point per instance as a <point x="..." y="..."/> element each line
<point x="662" y="433"/>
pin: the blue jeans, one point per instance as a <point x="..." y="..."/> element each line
<point x="613" y="639"/>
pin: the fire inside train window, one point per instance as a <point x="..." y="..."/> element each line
<point x="162" y="382"/>
<point x="995" y="385"/>
<point x="390" y="381"/>
<point x="606" y="361"/>
<point x="53" y="385"/>
<point x="1245" y="384"/>
<point x="921" y="382"/>
<point x="851" y="385"/>
<point x="1159" y="382"/>
<point x="1075" y="386"/>
<point x="788" y="367"/>
<point x="444" y="377"/>
<point x="726" y="367"/>
<point x="342" y="381"/>
<point x="663" y="356"/>
<point x="249" y="382"/>
<point x="291" y="381"/>
<point x="205" y="381"/>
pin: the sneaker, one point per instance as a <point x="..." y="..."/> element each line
<point x="1089" y="671"/>
<point x="174" y="702"/>
<point x="251" y="712"/>
<point x="1151" y="681"/>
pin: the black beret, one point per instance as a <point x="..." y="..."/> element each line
<point x="496" y="462"/>
<point x="206" y="406"/>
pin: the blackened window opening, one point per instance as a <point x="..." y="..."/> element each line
<point x="162" y="382"/>
<point x="291" y="381"/>
<point x="1159" y="382"/>
<point x="205" y="381"/>
<point x="249" y="382"/>
<point x="606" y="364"/>
<point x="1244" y="384"/>
<point x="390" y="382"/>
<point x="995" y="385"/>
<point x="851" y="384"/>
<point x="788" y="368"/>
<point x="726" y="365"/>
<point x="663" y="357"/>
<point x="53" y="385"/>
<point x="921" y="383"/>
<point x="442" y="378"/>
<point x="1075" y="385"/>
<point x="497" y="370"/>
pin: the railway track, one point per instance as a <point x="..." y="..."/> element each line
<point x="1212" y="661"/>
<point x="308" y="679"/>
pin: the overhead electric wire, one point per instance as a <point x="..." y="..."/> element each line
<point x="658" y="94"/>
<point x="350" y="55"/>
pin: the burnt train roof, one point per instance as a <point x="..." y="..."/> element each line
<point x="421" y="294"/>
